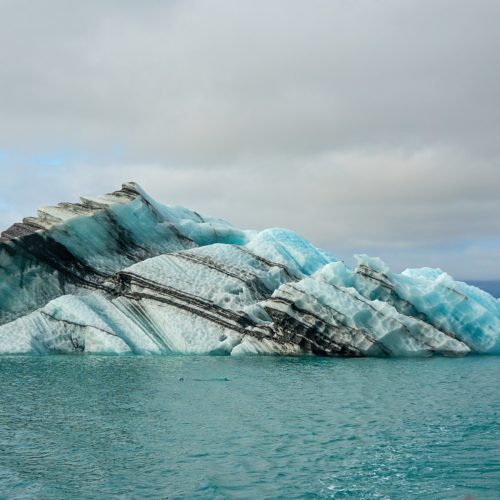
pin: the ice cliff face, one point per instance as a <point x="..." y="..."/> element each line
<point x="123" y="274"/>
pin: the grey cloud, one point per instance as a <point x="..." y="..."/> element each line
<point x="346" y="203"/>
<point x="363" y="125"/>
<point x="211" y="81"/>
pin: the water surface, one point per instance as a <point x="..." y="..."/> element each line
<point x="253" y="427"/>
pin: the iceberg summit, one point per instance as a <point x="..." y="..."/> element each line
<point x="123" y="274"/>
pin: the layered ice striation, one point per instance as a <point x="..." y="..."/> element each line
<point x="123" y="274"/>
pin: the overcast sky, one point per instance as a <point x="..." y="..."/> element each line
<point x="366" y="126"/>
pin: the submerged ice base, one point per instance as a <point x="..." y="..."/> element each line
<point x="123" y="274"/>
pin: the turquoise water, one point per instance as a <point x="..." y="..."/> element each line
<point x="96" y="427"/>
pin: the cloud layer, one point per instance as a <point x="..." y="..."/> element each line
<point x="366" y="126"/>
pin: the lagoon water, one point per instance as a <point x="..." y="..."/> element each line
<point x="250" y="427"/>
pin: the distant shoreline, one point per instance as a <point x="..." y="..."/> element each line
<point x="490" y="286"/>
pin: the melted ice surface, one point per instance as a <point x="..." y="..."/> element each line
<point x="124" y="274"/>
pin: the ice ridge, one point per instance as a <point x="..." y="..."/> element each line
<point x="124" y="274"/>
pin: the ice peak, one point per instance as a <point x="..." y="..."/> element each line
<point x="122" y="273"/>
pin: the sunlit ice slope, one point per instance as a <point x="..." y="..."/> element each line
<point x="124" y="274"/>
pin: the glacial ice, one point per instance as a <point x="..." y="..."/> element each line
<point x="124" y="274"/>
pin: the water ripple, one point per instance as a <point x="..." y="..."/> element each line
<point x="92" y="427"/>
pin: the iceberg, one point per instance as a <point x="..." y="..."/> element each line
<point x="123" y="274"/>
